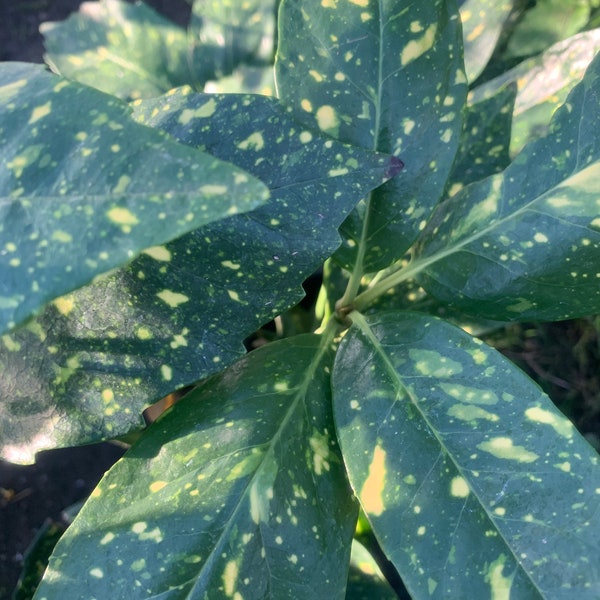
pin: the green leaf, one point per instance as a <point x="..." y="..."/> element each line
<point x="227" y="33"/>
<point x="482" y="22"/>
<point x="485" y="140"/>
<point x="375" y="75"/>
<point x="89" y="365"/>
<point x="543" y="84"/>
<point x="127" y="50"/>
<point x="84" y="188"/>
<point x="475" y="485"/>
<point x="525" y="244"/>
<point x="238" y="492"/>
<point x="547" y="23"/>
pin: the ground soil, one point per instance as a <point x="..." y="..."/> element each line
<point x="564" y="358"/>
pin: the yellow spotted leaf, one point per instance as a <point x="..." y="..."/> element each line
<point x="87" y="367"/>
<point x="238" y="492"/>
<point x="525" y="243"/>
<point x="466" y="470"/>
<point x="385" y="77"/>
<point x="84" y="188"/>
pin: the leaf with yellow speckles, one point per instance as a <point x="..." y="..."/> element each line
<point x="384" y="77"/>
<point x="482" y="23"/>
<point x="466" y="470"/>
<point x="179" y="312"/>
<point x="84" y="188"/>
<point x="238" y="492"/>
<point x="525" y="244"/>
<point x="485" y="140"/>
<point x="228" y="33"/>
<point x="543" y="83"/>
<point x="131" y="51"/>
<point x="125" y="49"/>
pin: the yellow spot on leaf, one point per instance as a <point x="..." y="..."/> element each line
<point x="467" y="412"/>
<point x="459" y="488"/>
<point x="234" y="295"/>
<point x="107" y="396"/>
<point x="371" y="494"/>
<point x="327" y="119"/>
<point x="306" y="105"/>
<point x="213" y="190"/>
<point x="329" y="3"/>
<point x="39" y="112"/>
<point x="64" y="304"/>
<point x="122" y="216"/>
<point x="305" y="137"/>
<point x="155" y="486"/>
<point x="502" y="447"/>
<point x="316" y="75"/>
<point x="143" y="333"/>
<point x="338" y="172"/>
<point x="173" y="299"/>
<point x="416" y="48"/>
<point x="230" y="577"/>
<point x="561" y="425"/>
<point x="158" y="253"/>
<point x="500" y="586"/>
<point x="254" y="141"/>
<point x="62" y="236"/>
<point x="166" y="372"/>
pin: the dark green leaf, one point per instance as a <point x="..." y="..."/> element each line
<point x="385" y="78"/>
<point x="227" y="33"/>
<point x="88" y="366"/>
<point x="127" y="50"/>
<point x="543" y="84"/>
<point x="474" y="483"/>
<point x="238" y="492"/>
<point x="525" y="244"/>
<point x="482" y="22"/>
<point x="83" y="188"/>
<point x="485" y="140"/>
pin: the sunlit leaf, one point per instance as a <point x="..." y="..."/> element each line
<point x="482" y="22"/>
<point x="127" y="50"/>
<point x="238" y="492"/>
<point x="387" y="78"/>
<point x="543" y="84"/>
<point x="474" y="483"/>
<point x="84" y="188"/>
<point x="226" y="33"/>
<point x="88" y="366"/>
<point x="525" y="244"/>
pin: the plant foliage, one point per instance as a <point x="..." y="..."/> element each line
<point x="141" y="243"/>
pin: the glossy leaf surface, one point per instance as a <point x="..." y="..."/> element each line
<point x="226" y="33"/>
<point x="482" y="22"/>
<point x="525" y="244"/>
<point x="84" y="188"/>
<point x="127" y="50"/>
<point x="474" y="483"/>
<point x="386" y="76"/>
<point x="238" y="492"/>
<point x="485" y="140"/>
<point x="543" y="84"/>
<point x="88" y="366"/>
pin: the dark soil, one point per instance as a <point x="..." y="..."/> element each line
<point x="564" y="358"/>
